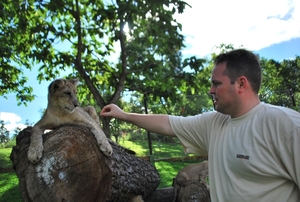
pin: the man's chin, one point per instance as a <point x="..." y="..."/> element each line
<point x="218" y="108"/>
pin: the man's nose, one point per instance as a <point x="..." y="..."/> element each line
<point x="211" y="90"/>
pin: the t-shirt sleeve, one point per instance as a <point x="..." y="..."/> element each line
<point x="286" y="137"/>
<point x="290" y="155"/>
<point x="192" y="133"/>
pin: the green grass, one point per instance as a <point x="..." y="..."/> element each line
<point x="9" y="182"/>
<point x="9" y="188"/>
<point x="159" y="149"/>
<point x="168" y="170"/>
<point x="4" y="158"/>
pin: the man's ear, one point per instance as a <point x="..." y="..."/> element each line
<point x="242" y="83"/>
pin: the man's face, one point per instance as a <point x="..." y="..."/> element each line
<point x="224" y="93"/>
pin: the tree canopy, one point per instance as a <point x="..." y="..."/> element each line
<point x="79" y="37"/>
<point x="281" y="82"/>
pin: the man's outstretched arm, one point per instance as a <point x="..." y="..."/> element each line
<point x="157" y="123"/>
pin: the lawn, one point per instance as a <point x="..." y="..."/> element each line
<point x="9" y="189"/>
<point x="167" y="170"/>
<point x="159" y="149"/>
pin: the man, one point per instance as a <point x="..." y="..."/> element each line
<point x="253" y="147"/>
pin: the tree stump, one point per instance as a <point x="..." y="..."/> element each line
<point x="74" y="169"/>
<point x="190" y="184"/>
<point x="193" y="191"/>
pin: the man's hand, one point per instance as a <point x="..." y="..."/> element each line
<point x="112" y="111"/>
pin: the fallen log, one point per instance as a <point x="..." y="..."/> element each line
<point x="74" y="169"/>
<point x="161" y="195"/>
<point x="190" y="184"/>
<point x="193" y="191"/>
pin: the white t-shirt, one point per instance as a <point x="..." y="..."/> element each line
<point x="255" y="157"/>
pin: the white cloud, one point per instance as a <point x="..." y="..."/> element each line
<point x="255" y="24"/>
<point x="11" y="121"/>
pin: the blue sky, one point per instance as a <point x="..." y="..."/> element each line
<point x="270" y="28"/>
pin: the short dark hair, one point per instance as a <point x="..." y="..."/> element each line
<point x="241" y="62"/>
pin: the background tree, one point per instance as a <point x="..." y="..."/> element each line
<point x="281" y="82"/>
<point x="12" y="42"/>
<point x="77" y="37"/>
<point x="190" y="98"/>
<point x="4" y="133"/>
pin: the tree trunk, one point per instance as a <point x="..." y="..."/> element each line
<point x="106" y="127"/>
<point x="193" y="191"/>
<point x="74" y="169"/>
<point x="161" y="195"/>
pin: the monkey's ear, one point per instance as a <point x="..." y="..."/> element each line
<point x="74" y="81"/>
<point x="56" y="84"/>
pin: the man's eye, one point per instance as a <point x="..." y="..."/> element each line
<point x="216" y="83"/>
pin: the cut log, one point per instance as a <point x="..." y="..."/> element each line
<point x="74" y="169"/>
<point x="190" y="184"/>
<point x="193" y="191"/>
<point x="161" y="195"/>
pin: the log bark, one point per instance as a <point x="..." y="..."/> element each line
<point x="193" y="191"/>
<point x="161" y="195"/>
<point x="74" y="169"/>
<point x="190" y="184"/>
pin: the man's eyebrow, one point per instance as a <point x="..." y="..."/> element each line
<point x="214" y="81"/>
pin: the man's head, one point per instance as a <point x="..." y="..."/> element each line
<point x="242" y="62"/>
<point x="236" y="80"/>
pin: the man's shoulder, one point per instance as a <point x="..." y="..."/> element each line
<point x="280" y="114"/>
<point x="271" y="110"/>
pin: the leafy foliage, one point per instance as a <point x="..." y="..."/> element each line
<point x="4" y="133"/>
<point x="281" y="82"/>
<point x="79" y="39"/>
<point x="13" y="41"/>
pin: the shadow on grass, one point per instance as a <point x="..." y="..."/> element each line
<point x="9" y="187"/>
<point x="11" y="195"/>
